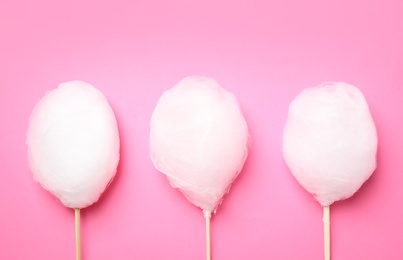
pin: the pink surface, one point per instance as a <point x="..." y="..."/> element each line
<point x="265" y="52"/>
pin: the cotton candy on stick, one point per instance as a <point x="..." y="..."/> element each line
<point x="330" y="144"/>
<point x="199" y="139"/>
<point x="73" y="145"/>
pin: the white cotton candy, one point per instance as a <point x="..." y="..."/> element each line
<point x="330" y="141"/>
<point x="199" y="140"/>
<point x="73" y="143"/>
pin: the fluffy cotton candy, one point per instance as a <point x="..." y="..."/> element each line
<point x="199" y="140"/>
<point x="73" y="143"/>
<point x="330" y="141"/>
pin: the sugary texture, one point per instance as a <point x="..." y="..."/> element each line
<point x="199" y="139"/>
<point x="73" y="143"/>
<point x="330" y="141"/>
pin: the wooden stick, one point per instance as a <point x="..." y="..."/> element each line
<point x="78" y="242"/>
<point x="207" y="215"/>
<point x="326" y="223"/>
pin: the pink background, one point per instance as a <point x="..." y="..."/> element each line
<point x="265" y="52"/>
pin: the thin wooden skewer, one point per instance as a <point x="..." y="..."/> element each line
<point x="78" y="242"/>
<point x="326" y="226"/>
<point x="207" y="215"/>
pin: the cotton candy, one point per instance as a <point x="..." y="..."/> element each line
<point x="330" y="141"/>
<point x="199" y="139"/>
<point x="73" y="143"/>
